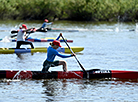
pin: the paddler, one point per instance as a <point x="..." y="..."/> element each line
<point x="51" y="54"/>
<point x="44" y="25"/>
<point x="21" y="37"/>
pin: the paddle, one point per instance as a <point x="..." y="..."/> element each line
<point x="53" y="21"/>
<point x="58" y="37"/>
<point x="74" y="56"/>
<point x="12" y="36"/>
<point x="28" y="32"/>
<point x="14" y="31"/>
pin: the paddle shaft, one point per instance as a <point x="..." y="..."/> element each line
<point x="12" y="36"/>
<point x="53" y="20"/>
<point x="28" y="32"/>
<point x="16" y="35"/>
<point x="74" y="56"/>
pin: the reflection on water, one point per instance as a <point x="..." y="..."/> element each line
<point x="68" y="90"/>
<point x="82" y="90"/>
<point x="57" y="89"/>
<point x="22" y="56"/>
<point x="19" y="55"/>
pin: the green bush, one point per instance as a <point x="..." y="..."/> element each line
<point x="86" y="10"/>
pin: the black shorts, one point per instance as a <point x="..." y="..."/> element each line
<point x="47" y="65"/>
<point x="19" y="43"/>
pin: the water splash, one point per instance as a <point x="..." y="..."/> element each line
<point x="77" y="74"/>
<point x="117" y="29"/>
<point x="16" y="75"/>
<point x="5" y="39"/>
<point x="136" y="27"/>
<point x="23" y="75"/>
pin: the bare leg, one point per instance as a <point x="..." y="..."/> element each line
<point x="64" y="65"/>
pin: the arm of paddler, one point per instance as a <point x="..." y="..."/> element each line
<point x="28" y="29"/>
<point x="31" y="30"/>
<point x="58" y="37"/>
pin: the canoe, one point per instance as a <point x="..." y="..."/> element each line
<point x="40" y="40"/>
<point x="61" y="30"/>
<point x="56" y="30"/>
<point x="38" y="49"/>
<point x="91" y="74"/>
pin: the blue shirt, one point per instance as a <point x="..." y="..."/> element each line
<point x="45" y="24"/>
<point x="52" y="53"/>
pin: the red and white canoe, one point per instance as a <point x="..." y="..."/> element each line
<point x="91" y="74"/>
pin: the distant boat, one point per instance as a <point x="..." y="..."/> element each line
<point x="56" y="30"/>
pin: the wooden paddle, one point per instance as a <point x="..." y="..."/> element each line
<point x="74" y="56"/>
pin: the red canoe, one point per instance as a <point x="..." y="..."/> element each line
<point x="91" y="74"/>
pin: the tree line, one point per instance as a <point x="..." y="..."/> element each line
<point x="79" y="10"/>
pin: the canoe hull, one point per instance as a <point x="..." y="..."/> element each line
<point x="38" y="49"/>
<point x="56" y="30"/>
<point x="63" y="30"/>
<point x="91" y="74"/>
<point x="42" y="40"/>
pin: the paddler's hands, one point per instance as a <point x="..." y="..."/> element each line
<point x="32" y="29"/>
<point x="73" y="54"/>
<point x="25" y="37"/>
<point x="60" y="34"/>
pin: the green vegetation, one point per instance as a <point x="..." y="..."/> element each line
<point x="82" y="10"/>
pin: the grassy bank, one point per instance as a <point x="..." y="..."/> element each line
<point x="82" y="10"/>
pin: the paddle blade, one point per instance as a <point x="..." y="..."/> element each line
<point x="12" y="36"/>
<point x="14" y="31"/>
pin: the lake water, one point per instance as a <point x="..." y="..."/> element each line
<point x="106" y="46"/>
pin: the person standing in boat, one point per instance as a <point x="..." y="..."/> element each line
<point x="44" y="25"/>
<point x="51" y="54"/>
<point x="21" y="37"/>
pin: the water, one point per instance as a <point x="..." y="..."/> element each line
<point x="106" y="46"/>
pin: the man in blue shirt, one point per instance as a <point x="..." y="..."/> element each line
<point x="51" y="54"/>
<point x="44" y="25"/>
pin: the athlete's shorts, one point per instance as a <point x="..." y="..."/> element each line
<point x="47" y="65"/>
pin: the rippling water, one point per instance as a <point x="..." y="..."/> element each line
<point x="106" y="46"/>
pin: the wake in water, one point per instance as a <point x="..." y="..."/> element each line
<point x="8" y="38"/>
<point x="23" y="75"/>
<point x="8" y="81"/>
<point x="5" y="39"/>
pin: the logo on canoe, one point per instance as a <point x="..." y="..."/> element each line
<point x="102" y="71"/>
